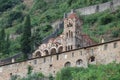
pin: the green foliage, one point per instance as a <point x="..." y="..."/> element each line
<point x="93" y="72"/>
<point x="54" y="9"/>
<point x="30" y="68"/>
<point x="11" y="18"/>
<point x="14" y="77"/>
<point x="51" y="77"/>
<point x="4" y="43"/>
<point x="36" y="38"/>
<point x="106" y="18"/>
<point x="8" y="4"/>
<point x="34" y="76"/>
<point x="7" y="45"/>
<point x="42" y="12"/>
<point x="116" y="33"/>
<point x="26" y="37"/>
<point x="100" y="24"/>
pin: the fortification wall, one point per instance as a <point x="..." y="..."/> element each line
<point x="99" y="8"/>
<point x="98" y="54"/>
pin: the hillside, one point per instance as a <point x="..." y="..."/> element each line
<point x="93" y="72"/>
<point x="104" y="25"/>
<point x="44" y="12"/>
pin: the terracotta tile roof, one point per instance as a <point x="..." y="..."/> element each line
<point x="73" y="15"/>
<point x="51" y="40"/>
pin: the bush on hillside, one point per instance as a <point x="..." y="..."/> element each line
<point x="8" y="4"/>
<point x="93" y="72"/>
<point x="105" y="19"/>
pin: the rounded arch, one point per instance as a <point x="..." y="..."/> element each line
<point x="67" y="64"/>
<point x="53" y="51"/>
<point x="38" y="54"/>
<point x="60" y="49"/>
<point x="46" y="52"/>
<point x="92" y="59"/>
<point x="79" y="62"/>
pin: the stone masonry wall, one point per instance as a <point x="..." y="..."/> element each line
<point x="103" y="53"/>
<point x="99" y="8"/>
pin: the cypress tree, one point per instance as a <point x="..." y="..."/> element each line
<point x="36" y="39"/>
<point x="26" y="37"/>
<point x="7" y="45"/>
<point x="2" y="40"/>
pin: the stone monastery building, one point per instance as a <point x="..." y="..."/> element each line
<point x="71" y="38"/>
<point x="71" y="49"/>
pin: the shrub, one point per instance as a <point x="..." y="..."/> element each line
<point x="115" y="33"/>
<point x="93" y="72"/>
<point x="106" y="18"/>
<point x="30" y="68"/>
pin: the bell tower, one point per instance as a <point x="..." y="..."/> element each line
<point x="72" y="29"/>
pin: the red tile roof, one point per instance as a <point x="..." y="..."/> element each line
<point x="73" y="15"/>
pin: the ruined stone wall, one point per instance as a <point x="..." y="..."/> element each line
<point x="99" y="8"/>
<point x="103" y="53"/>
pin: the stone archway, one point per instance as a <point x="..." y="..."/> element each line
<point x="79" y="63"/>
<point x="53" y="51"/>
<point x="92" y="60"/>
<point x="46" y="52"/>
<point x="38" y="54"/>
<point x="60" y="49"/>
<point x="67" y="64"/>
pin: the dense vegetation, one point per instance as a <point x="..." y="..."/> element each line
<point x="42" y="13"/>
<point x="26" y="37"/>
<point x="105" y="24"/>
<point x="93" y="72"/>
<point x="34" y="76"/>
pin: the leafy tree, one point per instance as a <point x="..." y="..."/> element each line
<point x="26" y="37"/>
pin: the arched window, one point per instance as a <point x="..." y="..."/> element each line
<point x="67" y="64"/>
<point x="53" y="51"/>
<point x="46" y="52"/>
<point x="38" y="54"/>
<point x="92" y="59"/>
<point x="79" y="62"/>
<point x="60" y="49"/>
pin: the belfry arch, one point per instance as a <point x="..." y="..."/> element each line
<point x="38" y="54"/>
<point x="67" y="64"/>
<point x="46" y="52"/>
<point x="53" y="51"/>
<point x="60" y="49"/>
